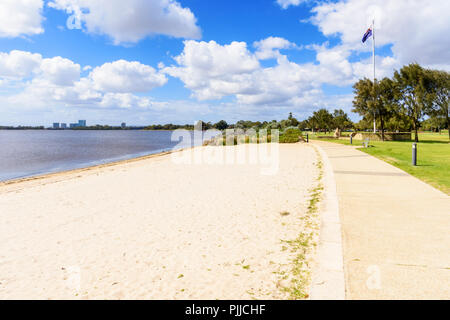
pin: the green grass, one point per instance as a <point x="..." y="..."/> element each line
<point x="433" y="157"/>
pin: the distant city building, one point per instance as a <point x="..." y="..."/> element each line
<point x="73" y="125"/>
<point x="63" y="125"/>
<point x="123" y="125"/>
<point x="82" y="123"/>
<point x="56" y="125"/>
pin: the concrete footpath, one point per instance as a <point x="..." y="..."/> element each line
<point x="395" y="229"/>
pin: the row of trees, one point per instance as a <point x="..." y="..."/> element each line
<point x="323" y="120"/>
<point x="169" y="127"/>
<point x="403" y="102"/>
<point x="257" y="125"/>
<point x="415" y="97"/>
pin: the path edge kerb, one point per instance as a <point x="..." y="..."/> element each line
<point x="328" y="279"/>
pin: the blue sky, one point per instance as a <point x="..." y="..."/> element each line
<point x="161" y="61"/>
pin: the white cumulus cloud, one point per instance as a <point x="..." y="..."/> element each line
<point x="270" y="47"/>
<point x="20" y="17"/>
<point x="60" y="71"/>
<point x="212" y="70"/>
<point x="123" y="76"/>
<point x="19" y="64"/>
<point x="56" y="81"/>
<point x="286" y="3"/>
<point x="416" y="29"/>
<point x="132" y="20"/>
<point x="124" y="100"/>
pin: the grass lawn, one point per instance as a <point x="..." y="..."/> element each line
<point x="433" y="157"/>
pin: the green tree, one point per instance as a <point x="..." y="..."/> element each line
<point x="364" y="124"/>
<point x="303" y="125"/>
<point x="414" y="94"/>
<point x="398" y="123"/>
<point x="293" y="122"/>
<point x="440" y="98"/>
<point x="341" y="120"/>
<point x="387" y="105"/>
<point x="363" y="102"/>
<point x="242" y="124"/>
<point x="221" y="125"/>
<point x="322" y="120"/>
<point x="312" y="123"/>
<point x="434" y="123"/>
<point x="381" y="108"/>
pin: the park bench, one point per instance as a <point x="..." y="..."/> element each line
<point x="366" y="143"/>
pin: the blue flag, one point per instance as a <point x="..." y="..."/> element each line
<point x="367" y="35"/>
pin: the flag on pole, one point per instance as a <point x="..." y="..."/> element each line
<point x="367" y="35"/>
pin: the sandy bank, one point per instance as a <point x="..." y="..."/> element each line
<point x="154" y="229"/>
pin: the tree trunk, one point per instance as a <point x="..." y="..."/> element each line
<point x="448" y="126"/>
<point x="416" y="129"/>
<point x="382" y="127"/>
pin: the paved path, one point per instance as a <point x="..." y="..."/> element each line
<point x="395" y="229"/>
<point x="328" y="280"/>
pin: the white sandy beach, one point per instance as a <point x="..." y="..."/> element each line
<point x="154" y="229"/>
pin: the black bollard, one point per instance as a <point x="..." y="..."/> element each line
<point x="414" y="154"/>
<point x="351" y="139"/>
<point x="307" y="138"/>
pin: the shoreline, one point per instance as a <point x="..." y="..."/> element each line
<point x="40" y="176"/>
<point x="87" y="168"/>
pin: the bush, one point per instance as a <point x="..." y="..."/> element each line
<point x="291" y="136"/>
<point x="289" y="139"/>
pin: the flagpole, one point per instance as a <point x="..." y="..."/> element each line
<point x="374" y="77"/>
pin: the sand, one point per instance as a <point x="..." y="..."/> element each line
<point x="155" y="229"/>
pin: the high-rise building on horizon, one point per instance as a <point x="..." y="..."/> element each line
<point x="82" y="123"/>
<point x="123" y="125"/>
<point x="63" y="126"/>
<point x="55" y="125"/>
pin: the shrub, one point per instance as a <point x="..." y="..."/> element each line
<point x="291" y="135"/>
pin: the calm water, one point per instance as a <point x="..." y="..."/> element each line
<point x="33" y="152"/>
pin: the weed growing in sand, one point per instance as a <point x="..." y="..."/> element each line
<point x="303" y="246"/>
